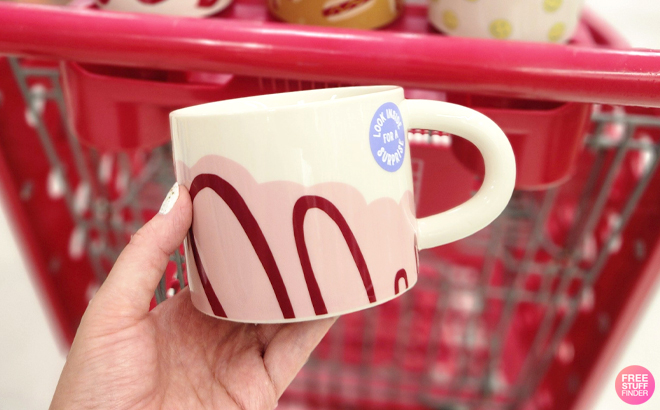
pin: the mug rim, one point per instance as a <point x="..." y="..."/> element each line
<point x="257" y="104"/>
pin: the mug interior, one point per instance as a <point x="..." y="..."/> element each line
<point x="279" y="101"/>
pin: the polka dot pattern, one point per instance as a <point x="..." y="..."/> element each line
<point x="529" y="20"/>
<point x="450" y="19"/>
<point x="552" y="5"/>
<point x="500" y="29"/>
<point x="556" y="32"/>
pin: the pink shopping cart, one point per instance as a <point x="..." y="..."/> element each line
<point x="521" y="315"/>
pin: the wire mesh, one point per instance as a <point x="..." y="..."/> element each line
<point x="485" y="320"/>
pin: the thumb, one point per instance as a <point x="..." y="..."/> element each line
<point x="131" y="283"/>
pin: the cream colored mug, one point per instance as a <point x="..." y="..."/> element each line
<point x="183" y="8"/>
<point x="303" y="205"/>
<point x="366" y="14"/>
<point x="527" y="20"/>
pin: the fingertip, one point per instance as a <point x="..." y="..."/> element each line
<point x="177" y="197"/>
<point x="173" y="220"/>
<point x="141" y="264"/>
<point x="181" y="212"/>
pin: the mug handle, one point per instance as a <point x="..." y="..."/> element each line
<point x="497" y="187"/>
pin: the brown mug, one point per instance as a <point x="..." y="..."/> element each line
<point x="364" y="14"/>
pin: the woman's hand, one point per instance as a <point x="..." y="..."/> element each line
<point x="174" y="357"/>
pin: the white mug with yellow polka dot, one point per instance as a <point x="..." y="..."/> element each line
<point x="527" y="20"/>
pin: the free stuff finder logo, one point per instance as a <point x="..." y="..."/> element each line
<point x="635" y="385"/>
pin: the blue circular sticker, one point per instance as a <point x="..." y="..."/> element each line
<point x="387" y="137"/>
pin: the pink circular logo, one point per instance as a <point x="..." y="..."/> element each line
<point x="635" y="385"/>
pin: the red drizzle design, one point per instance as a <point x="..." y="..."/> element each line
<point x="300" y="209"/>
<point x="200" y="3"/>
<point x="400" y="274"/>
<point x="208" y="288"/>
<point x="345" y="6"/>
<point x="251" y="228"/>
<point x="206" y="3"/>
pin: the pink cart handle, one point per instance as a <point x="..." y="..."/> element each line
<point x="273" y="50"/>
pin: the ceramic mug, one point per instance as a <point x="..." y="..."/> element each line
<point x="528" y="20"/>
<point x="365" y="14"/>
<point x="183" y="8"/>
<point x="303" y="205"/>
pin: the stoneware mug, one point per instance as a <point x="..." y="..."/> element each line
<point x="303" y="205"/>
<point x="365" y="14"/>
<point x="183" y="8"/>
<point x="528" y="20"/>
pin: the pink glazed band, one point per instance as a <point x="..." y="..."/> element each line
<point x="307" y="240"/>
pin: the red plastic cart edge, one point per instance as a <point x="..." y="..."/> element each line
<point x="518" y="69"/>
<point x="613" y="343"/>
<point x="626" y="324"/>
<point x="603" y="28"/>
<point x="32" y="258"/>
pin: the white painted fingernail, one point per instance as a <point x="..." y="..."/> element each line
<point x="170" y="200"/>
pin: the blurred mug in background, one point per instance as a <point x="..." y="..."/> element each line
<point x="528" y="20"/>
<point x="49" y="2"/>
<point x="365" y="14"/>
<point x="184" y="8"/>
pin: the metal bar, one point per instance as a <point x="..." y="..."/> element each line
<point x="101" y="203"/>
<point x="492" y="250"/>
<point x="367" y="354"/>
<point x="511" y="299"/>
<point x="601" y="143"/>
<point x="520" y="69"/>
<point x="179" y="259"/>
<point x="79" y="159"/>
<point x="82" y="165"/>
<point x="435" y="334"/>
<point x="337" y="335"/>
<point x="160" y="293"/>
<point x="40" y="72"/>
<point x="631" y="119"/>
<point x="137" y="183"/>
<point x="636" y="145"/>
<point x="587" y="195"/>
<point x="400" y="346"/>
<point x="94" y="260"/>
<point x="492" y="292"/>
<point x="410" y="381"/>
<point x="42" y="132"/>
<point x="56" y="163"/>
<point x="312" y="381"/>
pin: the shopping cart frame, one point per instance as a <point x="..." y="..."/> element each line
<point x="512" y="69"/>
